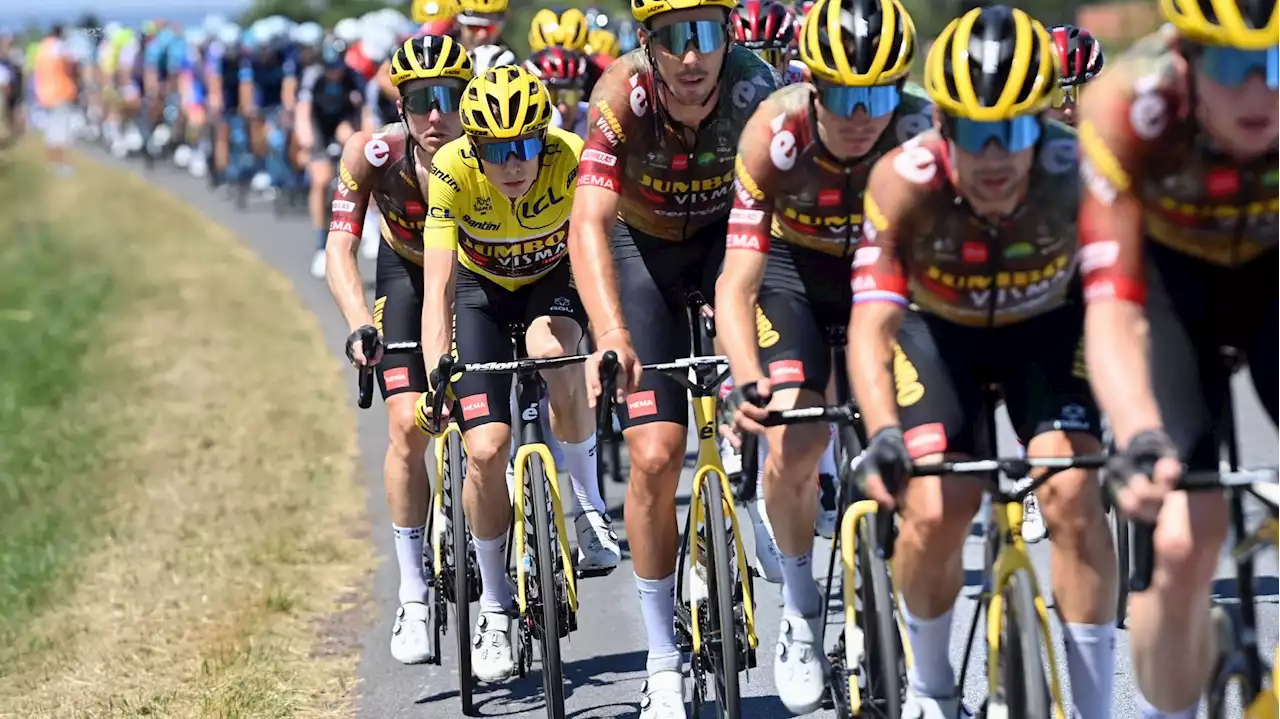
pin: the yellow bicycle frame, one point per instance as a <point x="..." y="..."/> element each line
<point x="440" y="444"/>
<point x="848" y="557"/>
<point x="704" y="413"/>
<point x="1012" y="558"/>
<point x="1267" y="704"/>
<point x="557" y="513"/>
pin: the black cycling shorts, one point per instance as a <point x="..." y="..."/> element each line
<point x="803" y="296"/>
<point x="1194" y="309"/>
<point x="940" y="369"/>
<point x="397" y="313"/>
<point x="483" y="313"/>
<point x="653" y="277"/>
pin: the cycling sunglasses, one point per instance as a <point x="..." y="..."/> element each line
<point x="496" y="153"/>
<point x="876" y="101"/>
<point x="1066" y="97"/>
<point x="706" y="35"/>
<point x="422" y="100"/>
<point x="1231" y="67"/>
<point x="1013" y="135"/>
<point x="570" y="98"/>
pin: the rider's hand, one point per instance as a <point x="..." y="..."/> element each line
<point x="746" y="418"/>
<point x="364" y="347"/>
<point x="425" y="418"/>
<point x="617" y="341"/>
<point x="1150" y="469"/>
<point x="887" y="464"/>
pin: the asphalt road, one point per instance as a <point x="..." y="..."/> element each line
<point x="604" y="659"/>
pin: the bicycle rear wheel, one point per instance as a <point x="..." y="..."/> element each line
<point x="548" y="594"/>
<point x="1023" y="688"/>
<point x="723" y="644"/>
<point x="463" y="561"/>
<point x="884" y="664"/>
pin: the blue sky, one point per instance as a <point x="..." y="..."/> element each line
<point x="17" y="14"/>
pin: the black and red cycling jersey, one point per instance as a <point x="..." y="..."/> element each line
<point x="380" y="166"/>
<point x="666" y="188"/>
<point x="1150" y="172"/>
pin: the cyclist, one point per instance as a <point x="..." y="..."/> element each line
<point x="499" y="202"/>
<point x="156" y="73"/>
<point x="564" y="72"/>
<point x="226" y="70"/>
<point x="803" y="162"/>
<point x="480" y="26"/>
<point x="655" y="188"/>
<point x="1080" y="59"/>
<point x="567" y="30"/>
<point x="273" y="76"/>
<point x="1178" y="233"/>
<point x="391" y="168"/>
<point x="973" y="223"/>
<point x="193" y="92"/>
<point x="767" y="29"/>
<point x="329" y="108"/>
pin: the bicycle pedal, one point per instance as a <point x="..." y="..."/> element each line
<point x="592" y="573"/>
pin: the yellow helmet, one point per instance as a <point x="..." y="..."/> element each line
<point x="569" y="30"/>
<point x="1242" y="24"/>
<point x="992" y="63"/>
<point x="430" y="57"/>
<point x="858" y="43"/>
<point x="425" y="11"/>
<point x="603" y="42"/>
<point x="483" y="7"/>
<point x="645" y="10"/>
<point x="504" y="103"/>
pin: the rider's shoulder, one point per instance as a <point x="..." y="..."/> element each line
<point x="909" y="173"/>
<point x="748" y="79"/>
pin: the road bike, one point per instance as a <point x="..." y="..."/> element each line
<point x="869" y="661"/>
<point x="1239" y="658"/>
<point x="547" y="592"/>
<point x="715" y="618"/>
<point x="1018" y="634"/>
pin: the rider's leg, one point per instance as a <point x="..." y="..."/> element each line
<point x="488" y="508"/>
<point x="321" y="172"/>
<point x="221" y="145"/>
<point x="791" y="497"/>
<point x="404" y="476"/>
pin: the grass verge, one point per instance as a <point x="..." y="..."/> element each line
<point x="179" y="516"/>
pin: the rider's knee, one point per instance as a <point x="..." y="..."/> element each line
<point x="405" y="437"/>
<point x="654" y="453"/>
<point x="939" y="510"/>
<point x="1070" y="501"/>
<point x="794" y="453"/>
<point x="489" y="449"/>
<point x="1188" y="537"/>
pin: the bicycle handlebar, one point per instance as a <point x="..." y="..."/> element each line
<point x="607" y="439"/>
<point x="838" y="414"/>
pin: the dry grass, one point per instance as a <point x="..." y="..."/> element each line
<point x="234" y="523"/>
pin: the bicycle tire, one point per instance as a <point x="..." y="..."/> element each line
<point x="886" y="666"/>
<point x="461" y="574"/>
<point x="721" y="615"/>
<point x="548" y="596"/>
<point x="1120" y="525"/>
<point x="1022" y="680"/>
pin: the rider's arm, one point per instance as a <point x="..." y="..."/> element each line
<point x="302" y="127"/>
<point x="596" y="210"/>
<point x="383" y="78"/>
<point x="879" y="297"/>
<point x="289" y="88"/>
<point x="747" y="247"/>
<point x="350" y="203"/>
<point x="246" y="87"/>
<point x="213" y="81"/>
<point x="370" y="95"/>
<point x="439" y="261"/>
<point x="1111" y="262"/>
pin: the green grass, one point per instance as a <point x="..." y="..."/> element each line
<point x="51" y="297"/>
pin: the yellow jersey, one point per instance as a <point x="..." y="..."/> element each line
<point x="512" y="242"/>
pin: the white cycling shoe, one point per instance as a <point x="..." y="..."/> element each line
<point x="768" y="564"/>
<point x="410" y="638"/>
<point x="663" y="696"/>
<point x="319" y="263"/>
<point x="799" y="666"/>
<point x="598" y="548"/>
<point x="491" y="657"/>
<point x="1033" y="529"/>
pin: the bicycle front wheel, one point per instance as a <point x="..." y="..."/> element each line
<point x="1022" y="682"/>
<point x="722" y="618"/>
<point x="463" y="561"/>
<point x="884" y="664"/>
<point x="1120" y="524"/>
<point x="548" y="596"/>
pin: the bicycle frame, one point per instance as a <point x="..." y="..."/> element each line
<point x="440" y="444"/>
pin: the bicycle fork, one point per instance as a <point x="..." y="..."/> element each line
<point x="523" y="515"/>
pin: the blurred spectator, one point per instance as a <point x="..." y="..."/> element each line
<point x="54" y="76"/>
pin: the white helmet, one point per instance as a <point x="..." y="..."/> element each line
<point x="195" y="36"/>
<point x="308" y="33"/>
<point x="378" y="44"/>
<point x="347" y="30"/>
<point x="229" y="35"/>
<point x="487" y="56"/>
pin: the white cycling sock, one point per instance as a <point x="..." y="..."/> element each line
<point x="799" y="592"/>
<point x="491" y="555"/>
<point x="580" y="460"/>
<point x="658" y="606"/>
<point x="413" y="582"/>
<point x="1146" y="711"/>
<point x="931" y="675"/>
<point x="1091" y="665"/>
<point x="827" y="465"/>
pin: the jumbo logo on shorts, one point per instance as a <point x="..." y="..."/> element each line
<point x="642" y="404"/>
<point x="766" y="335"/>
<point x="396" y="378"/>
<point x="474" y="406"/>
<point x="906" y="379"/>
